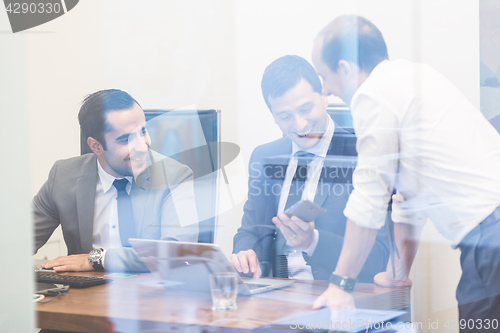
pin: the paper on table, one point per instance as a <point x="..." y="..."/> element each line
<point x="345" y="320"/>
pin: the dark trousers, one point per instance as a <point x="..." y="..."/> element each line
<point x="478" y="291"/>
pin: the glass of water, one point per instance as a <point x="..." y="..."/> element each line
<point x="224" y="288"/>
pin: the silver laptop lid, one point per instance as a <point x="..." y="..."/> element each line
<point x="182" y="264"/>
<point x="185" y="265"/>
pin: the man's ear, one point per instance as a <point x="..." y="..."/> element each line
<point x="95" y="146"/>
<point x="344" y="68"/>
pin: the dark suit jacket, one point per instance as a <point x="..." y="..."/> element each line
<point x="258" y="232"/>
<point x="67" y="198"/>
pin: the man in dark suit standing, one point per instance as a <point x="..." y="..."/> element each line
<point x="270" y="242"/>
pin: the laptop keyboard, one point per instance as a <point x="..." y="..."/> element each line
<point x="72" y="281"/>
<point x="253" y="286"/>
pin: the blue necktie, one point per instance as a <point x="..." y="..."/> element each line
<point x="125" y="214"/>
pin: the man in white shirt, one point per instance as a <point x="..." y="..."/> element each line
<point x="302" y="250"/>
<point x="122" y="190"/>
<point x="425" y="139"/>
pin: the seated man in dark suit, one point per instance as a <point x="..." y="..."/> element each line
<point x="269" y="240"/>
<point x="122" y="190"/>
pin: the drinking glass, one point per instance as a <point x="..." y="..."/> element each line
<point x="224" y="289"/>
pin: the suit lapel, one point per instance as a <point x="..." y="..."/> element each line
<point x="337" y="147"/>
<point x="322" y="192"/>
<point x="85" y="201"/>
<point x="139" y="194"/>
<point x="284" y="149"/>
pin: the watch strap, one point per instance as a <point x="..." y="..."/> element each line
<point x="97" y="264"/>
<point x="344" y="283"/>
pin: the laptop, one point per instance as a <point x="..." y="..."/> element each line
<point x="184" y="265"/>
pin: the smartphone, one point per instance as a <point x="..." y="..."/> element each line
<point x="305" y="210"/>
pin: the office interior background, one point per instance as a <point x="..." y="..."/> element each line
<point x="203" y="54"/>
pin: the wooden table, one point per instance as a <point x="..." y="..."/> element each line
<point x="138" y="304"/>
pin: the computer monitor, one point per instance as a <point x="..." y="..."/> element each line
<point x="192" y="137"/>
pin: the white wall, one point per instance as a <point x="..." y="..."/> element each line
<point x="170" y="54"/>
<point x="16" y="299"/>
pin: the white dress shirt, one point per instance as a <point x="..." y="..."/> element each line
<point x="297" y="267"/>
<point x="106" y="233"/>
<point x="418" y="133"/>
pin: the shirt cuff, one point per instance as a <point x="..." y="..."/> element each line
<point x="310" y="250"/>
<point x="362" y="214"/>
<point x="403" y="213"/>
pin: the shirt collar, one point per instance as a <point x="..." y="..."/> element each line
<point x="107" y="179"/>
<point x="321" y="148"/>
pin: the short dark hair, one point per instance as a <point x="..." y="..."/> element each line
<point x="95" y="107"/>
<point x="353" y="38"/>
<point x="285" y="73"/>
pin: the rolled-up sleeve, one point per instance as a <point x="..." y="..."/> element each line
<point x="376" y="126"/>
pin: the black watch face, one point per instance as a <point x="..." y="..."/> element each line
<point x="344" y="283"/>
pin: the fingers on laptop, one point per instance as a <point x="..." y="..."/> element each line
<point x="245" y="262"/>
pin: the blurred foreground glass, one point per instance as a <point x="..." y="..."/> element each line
<point x="224" y="289"/>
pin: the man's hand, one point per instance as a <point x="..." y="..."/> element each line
<point x="74" y="263"/>
<point x="246" y="261"/>
<point x="384" y="279"/>
<point x="334" y="297"/>
<point x="297" y="232"/>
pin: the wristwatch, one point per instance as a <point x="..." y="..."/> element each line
<point x="95" y="258"/>
<point x="344" y="283"/>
